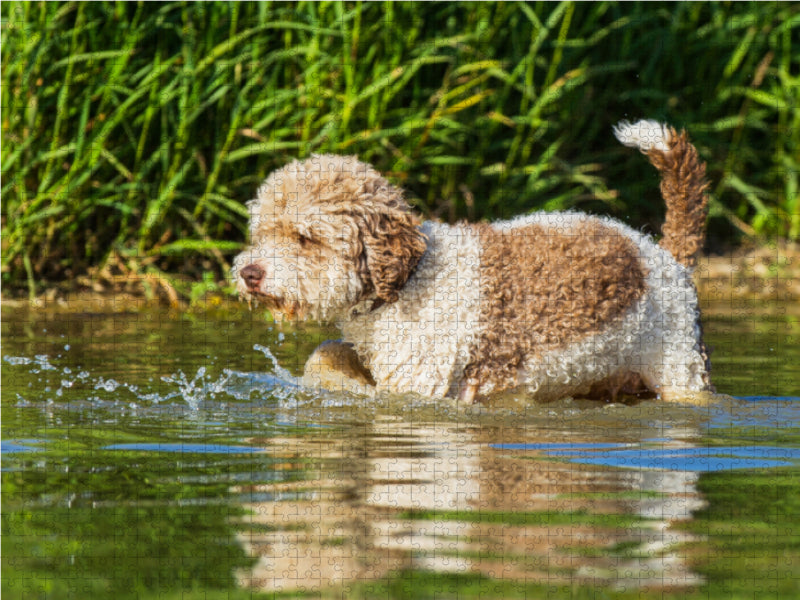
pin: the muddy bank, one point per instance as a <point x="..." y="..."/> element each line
<point x="769" y="272"/>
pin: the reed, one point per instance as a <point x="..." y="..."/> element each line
<point x="134" y="132"/>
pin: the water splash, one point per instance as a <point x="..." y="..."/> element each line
<point x="70" y="386"/>
<point x="276" y="367"/>
<point x="199" y="389"/>
<point x="41" y="362"/>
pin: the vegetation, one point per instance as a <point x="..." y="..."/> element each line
<point x="134" y="132"/>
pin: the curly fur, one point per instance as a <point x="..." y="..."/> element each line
<point x="555" y="303"/>
<point x="683" y="184"/>
<point x="326" y="233"/>
<point x="546" y="287"/>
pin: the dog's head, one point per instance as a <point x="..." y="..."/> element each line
<point x="325" y="234"/>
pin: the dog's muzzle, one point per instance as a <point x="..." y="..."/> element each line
<point x="253" y="276"/>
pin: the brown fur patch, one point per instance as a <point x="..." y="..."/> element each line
<point x="394" y="244"/>
<point x="683" y="186"/>
<point x="543" y="288"/>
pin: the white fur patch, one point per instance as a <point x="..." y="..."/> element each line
<point x="421" y="343"/>
<point x="644" y="134"/>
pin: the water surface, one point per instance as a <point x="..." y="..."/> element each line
<point x="153" y="453"/>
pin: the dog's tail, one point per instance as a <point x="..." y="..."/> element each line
<point x="683" y="184"/>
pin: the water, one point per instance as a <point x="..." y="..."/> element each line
<point x="150" y="453"/>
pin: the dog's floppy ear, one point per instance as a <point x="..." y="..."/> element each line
<point x="393" y="247"/>
<point x="391" y="243"/>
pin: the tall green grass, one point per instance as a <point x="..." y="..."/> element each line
<point x="134" y="132"/>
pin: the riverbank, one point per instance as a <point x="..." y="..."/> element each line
<point x="769" y="272"/>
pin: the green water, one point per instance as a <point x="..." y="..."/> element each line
<point x="160" y="454"/>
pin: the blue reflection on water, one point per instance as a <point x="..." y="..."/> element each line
<point x="720" y="458"/>
<point x="11" y="446"/>
<point x="769" y="398"/>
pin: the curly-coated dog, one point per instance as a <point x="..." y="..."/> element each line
<point x="555" y="304"/>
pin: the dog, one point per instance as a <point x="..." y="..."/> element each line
<point x="552" y="304"/>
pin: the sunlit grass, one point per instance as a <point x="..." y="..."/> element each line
<point x="134" y="132"/>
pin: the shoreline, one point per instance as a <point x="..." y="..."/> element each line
<point x="770" y="272"/>
<point x="766" y="273"/>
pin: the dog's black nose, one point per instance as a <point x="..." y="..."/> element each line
<point x="252" y="275"/>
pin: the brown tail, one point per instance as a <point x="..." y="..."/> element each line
<point x="683" y="184"/>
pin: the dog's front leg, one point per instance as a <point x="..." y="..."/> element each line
<point x="335" y="366"/>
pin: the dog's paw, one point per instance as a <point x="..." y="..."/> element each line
<point x="335" y="366"/>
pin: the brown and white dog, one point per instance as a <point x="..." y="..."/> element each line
<point x="556" y="304"/>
